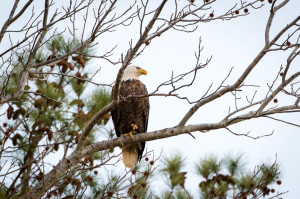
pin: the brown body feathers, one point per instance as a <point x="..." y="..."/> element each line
<point x="132" y="111"/>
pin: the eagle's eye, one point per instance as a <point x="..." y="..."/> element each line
<point x="138" y="68"/>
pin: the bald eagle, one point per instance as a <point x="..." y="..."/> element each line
<point x="131" y="116"/>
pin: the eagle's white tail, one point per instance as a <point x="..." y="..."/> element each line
<point x="130" y="155"/>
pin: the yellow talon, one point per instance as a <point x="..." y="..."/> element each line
<point x="130" y="133"/>
<point x="134" y="127"/>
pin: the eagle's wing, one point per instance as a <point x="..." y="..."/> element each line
<point x="115" y="114"/>
<point x="146" y="110"/>
<point x="115" y="119"/>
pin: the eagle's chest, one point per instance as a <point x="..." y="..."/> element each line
<point x="131" y="109"/>
<point x="131" y="88"/>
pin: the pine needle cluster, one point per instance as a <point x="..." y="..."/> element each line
<point x="220" y="178"/>
<point x="48" y="119"/>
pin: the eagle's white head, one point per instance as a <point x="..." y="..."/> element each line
<point x="133" y="72"/>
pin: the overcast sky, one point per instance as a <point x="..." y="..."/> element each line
<point x="231" y="43"/>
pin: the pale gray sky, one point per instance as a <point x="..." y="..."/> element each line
<point x="232" y="43"/>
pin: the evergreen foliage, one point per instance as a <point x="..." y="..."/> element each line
<point x="46" y="123"/>
<point x="219" y="178"/>
<point x="41" y="125"/>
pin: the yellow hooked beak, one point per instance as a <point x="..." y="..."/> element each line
<point x="142" y="71"/>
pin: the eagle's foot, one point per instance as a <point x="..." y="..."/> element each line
<point x="134" y="127"/>
<point x="130" y="133"/>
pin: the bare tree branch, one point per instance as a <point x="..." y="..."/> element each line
<point x="13" y="18"/>
<point x="21" y="61"/>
